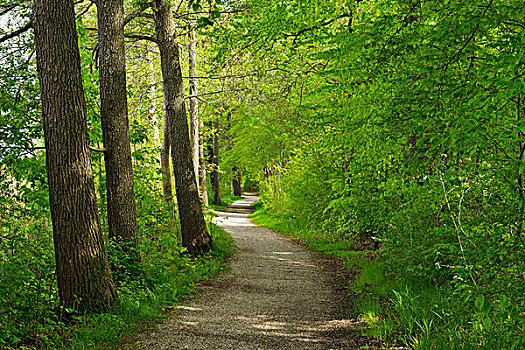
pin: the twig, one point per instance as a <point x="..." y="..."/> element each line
<point x="457" y="225"/>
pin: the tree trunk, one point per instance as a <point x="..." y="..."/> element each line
<point x="202" y="161"/>
<point x="84" y="277"/>
<point x="122" y="213"/>
<point x="194" y="108"/>
<point x="236" y="182"/>
<point x="195" y="236"/>
<point x="152" y="110"/>
<point x="215" y="176"/>
<point x="165" y="155"/>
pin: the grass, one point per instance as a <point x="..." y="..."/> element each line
<point x="225" y="202"/>
<point x="166" y="279"/>
<point x="411" y="313"/>
<point x="141" y="306"/>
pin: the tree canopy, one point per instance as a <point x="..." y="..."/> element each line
<point x="394" y="129"/>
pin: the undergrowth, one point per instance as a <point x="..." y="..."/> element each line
<point x="415" y="313"/>
<point x="163" y="277"/>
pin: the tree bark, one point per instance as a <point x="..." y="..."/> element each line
<point x="165" y="159"/>
<point x="202" y="167"/>
<point x="152" y="110"/>
<point x="236" y="182"/>
<point x="195" y="236"/>
<point x="84" y="277"/>
<point x="194" y="107"/>
<point x="122" y="212"/>
<point x="215" y="176"/>
<point x="167" y="188"/>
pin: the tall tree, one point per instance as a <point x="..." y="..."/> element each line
<point x="165" y="157"/>
<point x="84" y="277"/>
<point x="194" y="107"/>
<point x="215" y="159"/>
<point x="202" y="167"/>
<point x="237" y="181"/>
<point x="195" y="236"/>
<point x="122" y="214"/>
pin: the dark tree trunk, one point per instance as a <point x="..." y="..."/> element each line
<point x="84" y="277"/>
<point x="122" y="213"/>
<point x="237" y="182"/>
<point x="215" y="175"/>
<point x="202" y="167"/>
<point x="165" y="159"/>
<point x="167" y="188"/>
<point x="195" y="236"/>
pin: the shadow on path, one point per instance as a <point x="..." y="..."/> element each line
<point x="277" y="295"/>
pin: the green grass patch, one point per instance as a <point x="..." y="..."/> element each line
<point x="413" y="313"/>
<point x="163" y="278"/>
<point x="225" y="202"/>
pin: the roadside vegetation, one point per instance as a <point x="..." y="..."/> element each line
<point x="402" y="309"/>
<point x="163" y="277"/>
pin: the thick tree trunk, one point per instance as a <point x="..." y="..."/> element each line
<point x="195" y="236"/>
<point x="84" y="277"/>
<point x="215" y="175"/>
<point x="237" y="182"/>
<point x="194" y="107"/>
<point x="202" y="167"/>
<point x="122" y="213"/>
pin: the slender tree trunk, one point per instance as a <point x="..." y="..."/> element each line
<point x="202" y="161"/>
<point x="215" y="176"/>
<point x="122" y="213"/>
<point x="236" y="182"/>
<point x="194" y="107"/>
<point x="152" y="110"/>
<point x="195" y="236"/>
<point x="84" y="277"/>
<point x="165" y="159"/>
<point x="167" y="188"/>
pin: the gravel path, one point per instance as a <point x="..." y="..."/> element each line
<point x="277" y="295"/>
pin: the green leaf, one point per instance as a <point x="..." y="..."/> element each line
<point x="203" y="22"/>
<point x="480" y="301"/>
<point x="487" y="322"/>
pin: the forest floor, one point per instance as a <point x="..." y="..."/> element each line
<point x="276" y="295"/>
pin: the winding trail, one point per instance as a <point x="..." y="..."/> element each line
<point x="277" y="295"/>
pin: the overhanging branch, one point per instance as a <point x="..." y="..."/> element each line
<point x="17" y="32"/>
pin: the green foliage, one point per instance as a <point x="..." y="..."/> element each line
<point x="162" y="277"/>
<point x="406" y="135"/>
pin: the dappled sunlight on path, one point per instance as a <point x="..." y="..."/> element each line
<point x="277" y="295"/>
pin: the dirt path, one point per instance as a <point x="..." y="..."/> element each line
<point x="276" y="296"/>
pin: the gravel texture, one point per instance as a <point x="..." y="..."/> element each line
<point x="277" y="295"/>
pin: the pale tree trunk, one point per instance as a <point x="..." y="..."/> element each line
<point x="215" y="175"/>
<point x="202" y="161"/>
<point x="84" y="277"/>
<point x="194" y="107"/>
<point x="122" y="213"/>
<point x="152" y="110"/>
<point x="195" y="236"/>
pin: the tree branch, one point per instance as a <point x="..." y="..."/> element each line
<point x="94" y="149"/>
<point x="17" y="32"/>
<point x="233" y="76"/>
<point x="215" y="92"/>
<point x="7" y="9"/>
<point x="85" y="10"/>
<point x="304" y="30"/>
<point x="141" y="37"/>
